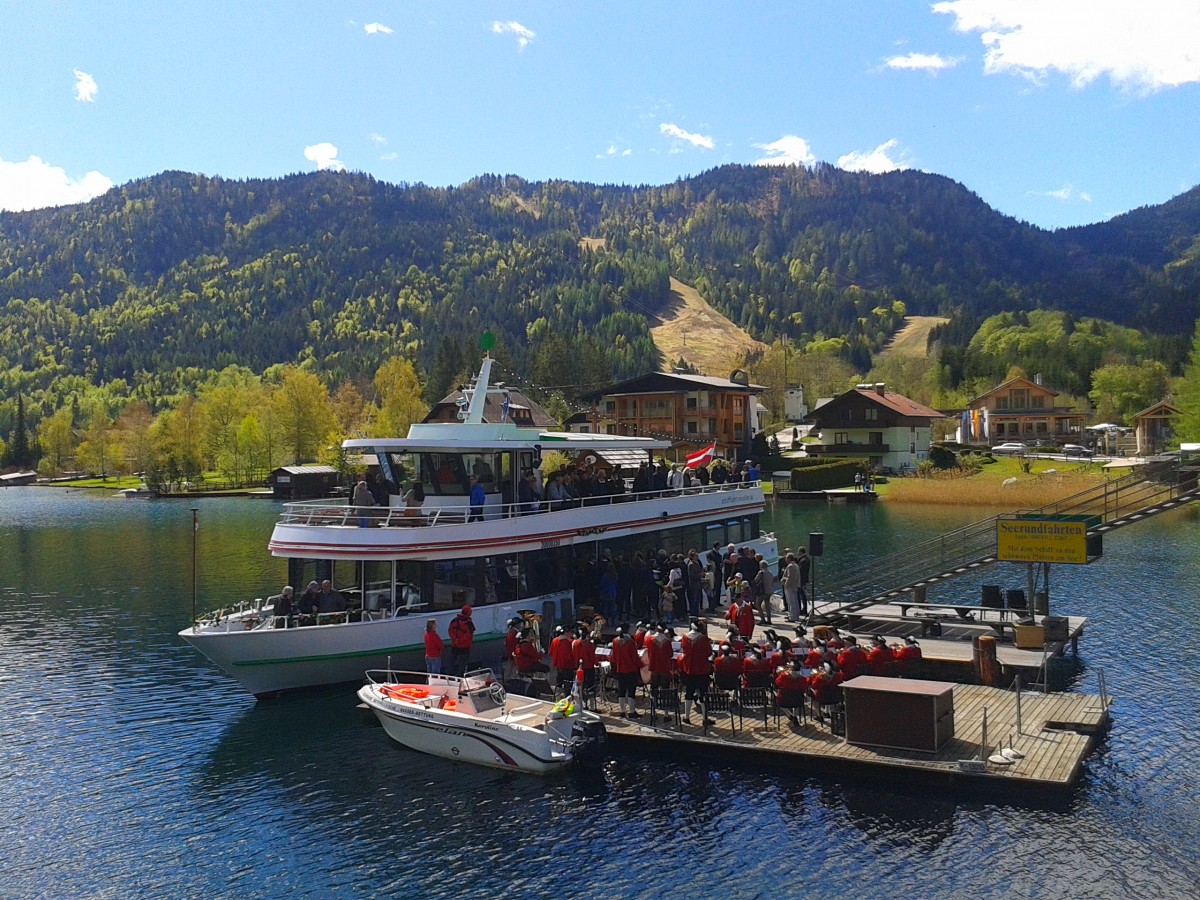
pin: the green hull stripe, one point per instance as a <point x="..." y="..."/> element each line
<point x="384" y="651"/>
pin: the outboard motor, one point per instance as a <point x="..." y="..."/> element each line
<point x="589" y="738"/>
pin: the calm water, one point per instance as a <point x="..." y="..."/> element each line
<point x="133" y="768"/>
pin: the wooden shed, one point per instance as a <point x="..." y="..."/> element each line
<point x="302" y="482"/>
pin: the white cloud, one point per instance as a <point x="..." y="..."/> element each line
<point x="324" y="155"/>
<point x="376" y="138"/>
<point x="1067" y="194"/>
<point x="388" y="157"/>
<point x="85" y="87"/>
<point x="614" y="150"/>
<point x="34" y="184"/>
<point x="523" y="35"/>
<point x="789" y="150"/>
<point x="874" y="161"/>
<point x="927" y="62"/>
<point x="377" y="28"/>
<point x="1147" y="46"/>
<point x="696" y="140"/>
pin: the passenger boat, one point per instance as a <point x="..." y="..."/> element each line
<point x="399" y="565"/>
<point x="474" y="720"/>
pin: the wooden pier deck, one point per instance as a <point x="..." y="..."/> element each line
<point x="1058" y="732"/>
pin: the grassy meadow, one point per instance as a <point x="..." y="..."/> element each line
<point x="1049" y="480"/>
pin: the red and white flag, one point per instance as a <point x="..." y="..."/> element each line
<point x="702" y="457"/>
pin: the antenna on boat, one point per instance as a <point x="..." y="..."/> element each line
<point x="195" y="528"/>
<point x="479" y="391"/>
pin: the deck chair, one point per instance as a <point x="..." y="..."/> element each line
<point x="714" y="703"/>
<point x="664" y="701"/>
<point x="754" y="700"/>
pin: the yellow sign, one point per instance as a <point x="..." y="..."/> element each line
<point x="1041" y="541"/>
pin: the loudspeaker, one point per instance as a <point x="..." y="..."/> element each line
<point x="816" y="543"/>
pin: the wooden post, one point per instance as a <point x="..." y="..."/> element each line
<point x="989" y="665"/>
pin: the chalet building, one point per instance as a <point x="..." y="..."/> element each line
<point x="1021" y="409"/>
<point x="692" y="410"/>
<point x="509" y="406"/>
<point x="1153" y="427"/>
<point x="885" y="429"/>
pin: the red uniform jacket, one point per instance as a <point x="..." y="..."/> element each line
<point x="585" y="654"/>
<point x="742" y="616"/>
<point x="562" y="656"/>
<point x="824" y="686"/>
<point x="792" y="687"/>
<point x="728" y="665"/>
<point x="753" y="664"/>
<point x="695" y="657"/>
<point x="814" y="658"/>
<point x="625" y="659"/>
<point x="661" y="659"/>
<point x="527" y="656"/>
<point x="908" y="656"/>
<point x="510" y="643"/>
<point x="878" y="658"/>
<point x="851" y="661"/>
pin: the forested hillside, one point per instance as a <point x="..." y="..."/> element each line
<point x="148" y="290"/>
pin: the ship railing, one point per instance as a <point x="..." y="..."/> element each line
<point x="329" y="512"/>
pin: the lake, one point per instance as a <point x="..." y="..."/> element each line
<point x="133" y="768"/>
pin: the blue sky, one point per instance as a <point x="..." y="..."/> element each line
<point x="1058" y="112"/>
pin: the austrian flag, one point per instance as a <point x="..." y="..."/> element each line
<point x="702" y="457"/>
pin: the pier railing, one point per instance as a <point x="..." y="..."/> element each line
<point x="1148" y="490"/>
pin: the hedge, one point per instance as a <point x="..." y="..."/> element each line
<point x="818" y="475"/>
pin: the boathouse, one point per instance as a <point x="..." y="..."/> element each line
<point x="302" y="482"/>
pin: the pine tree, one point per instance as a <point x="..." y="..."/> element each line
<point x="20" y="454"/>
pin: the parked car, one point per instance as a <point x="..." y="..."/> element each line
<point x="1077" y="450"/>
<point x="1012" y="448"/>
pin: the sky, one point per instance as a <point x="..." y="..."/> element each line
<point x="1057" y="112"/>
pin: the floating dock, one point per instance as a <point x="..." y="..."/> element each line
<point x="1058" y="731"/>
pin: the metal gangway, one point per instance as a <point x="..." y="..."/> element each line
<point x="1147" y="490"/>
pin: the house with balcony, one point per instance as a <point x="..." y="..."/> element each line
<point x="691" y="410"/>
<point x="1021" y="409"/>
<point x="884" y="429"/>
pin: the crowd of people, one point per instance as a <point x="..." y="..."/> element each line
<point x="808" y="669"/>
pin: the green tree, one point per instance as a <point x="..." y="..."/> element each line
<point x="1187" y="396"/>
<point x="98" y="451"/>
<point x="1120" y="391"/>
<point x="398" y="397"/>
<point x="57" y="437"/>
<point x="20" y="454"/>
<point x="304" y="413"/>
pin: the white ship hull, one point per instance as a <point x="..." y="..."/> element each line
<point x="267" y="661"/>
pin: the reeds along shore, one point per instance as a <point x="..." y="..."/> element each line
<point x="1029" y="491"/>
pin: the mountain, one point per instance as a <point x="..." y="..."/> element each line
<point x="163" y="280"/>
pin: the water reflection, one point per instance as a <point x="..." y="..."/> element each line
<point x="164" y="779"/>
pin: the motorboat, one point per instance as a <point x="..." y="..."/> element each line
<point x="473" y="719"/>
<point x="426" y="552"/>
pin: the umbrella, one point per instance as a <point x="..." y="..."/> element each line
<point x="1107" y="426"/>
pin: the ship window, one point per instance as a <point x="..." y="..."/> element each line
<point x="444" y="474"/>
